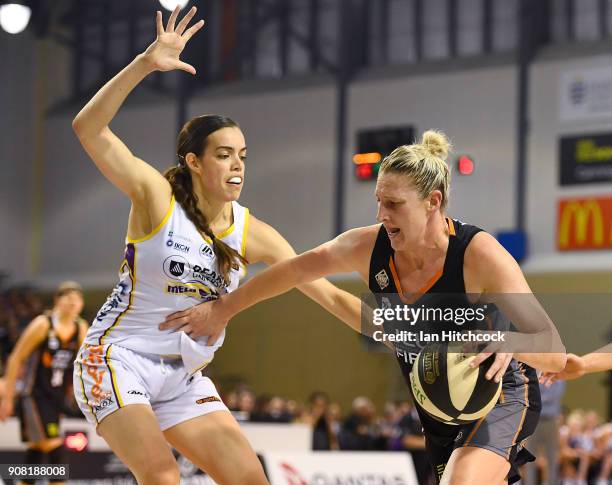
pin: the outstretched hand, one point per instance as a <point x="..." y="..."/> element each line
<point x="203" y="320"/>
<point x="574" y="368"/>
<point x="164" y="53"/>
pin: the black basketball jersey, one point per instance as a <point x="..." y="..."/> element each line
<point x="447" y="289"/>
<point x="49" y="368"/>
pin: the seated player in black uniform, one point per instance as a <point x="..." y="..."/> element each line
<point x="418" y="250"/>
<point x="47" y="347"/>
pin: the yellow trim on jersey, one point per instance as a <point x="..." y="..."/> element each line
<point x="221" y="235"/>
<point x="112" y="374"/>
<point x="157" y="229"/>
<point x="245" y="230"/>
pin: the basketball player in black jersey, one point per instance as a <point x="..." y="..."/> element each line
<point x="418" y="250"/>
<point x="47" y="347"/>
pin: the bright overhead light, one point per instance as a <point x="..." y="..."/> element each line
<point x="14" y="18"/>
<point x="171" y="4"/>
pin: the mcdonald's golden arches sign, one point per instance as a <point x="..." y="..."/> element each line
<point x="584" y="224"/>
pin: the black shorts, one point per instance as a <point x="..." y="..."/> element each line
<point x="39" y="417"/>
<point x="503" y="431"/>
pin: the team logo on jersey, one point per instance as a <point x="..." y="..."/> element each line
<point x="382" y="279"/>
<point x="206" y="251"/>
<point x="175" y="266"/>
<point x="53" y="342"/>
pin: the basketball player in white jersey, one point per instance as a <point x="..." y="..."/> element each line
<point x="188" y="241"/>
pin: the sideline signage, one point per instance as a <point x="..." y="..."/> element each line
<point x="585" y="159"/>
<point x="586" y="94"/>
<point x="340" y="468"/>
<point x="584" y="224"/>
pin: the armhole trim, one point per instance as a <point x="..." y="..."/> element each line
<point x="157" y="229"/>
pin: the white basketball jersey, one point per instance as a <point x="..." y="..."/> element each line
<point x="171" y="269"/>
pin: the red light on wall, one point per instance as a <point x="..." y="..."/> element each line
<point x="364" y="171"/>
<point x="465" y="165"/>
<point x="76" y="441"/>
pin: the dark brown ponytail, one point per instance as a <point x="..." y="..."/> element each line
<point x="192" y="139"/>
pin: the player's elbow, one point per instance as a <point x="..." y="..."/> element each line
<point x="558" y="362"/>
<point x="78" y="125"/>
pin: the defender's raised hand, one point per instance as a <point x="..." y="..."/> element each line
<point x="164" y="53"/>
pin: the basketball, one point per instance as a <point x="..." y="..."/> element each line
<point x="447" y="389"/>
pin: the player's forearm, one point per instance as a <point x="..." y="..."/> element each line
<point x="10" y="378"/>
<point x="546" y="362"/>
<point x="597" y="362"/>
<point x="102" y="108"/>
<point x="273" y="281"/>
<point x="340" y="303"/>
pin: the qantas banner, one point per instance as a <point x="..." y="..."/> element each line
<point x="340" y="468"/>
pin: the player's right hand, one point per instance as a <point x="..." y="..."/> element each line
<point x="164" y="53"/>
<point x="6" y="408"/>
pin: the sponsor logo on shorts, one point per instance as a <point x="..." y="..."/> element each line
<point x="137" y="393"/>
<point x="204" y="400"/>
<point x="382" y="278"/>
<point x="103" y="404"/>
<point x="92" y="362"/>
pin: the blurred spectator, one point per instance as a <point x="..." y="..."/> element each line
<point x="246" y="405"/>
<point x="409" y="437"/>
<point x="295" y="409"/>
<point x="18" y="306"/>
<point x="270" y="409"/>
<point x="544" y="443"/>
<point x="575" y="450"/>
<point x="324" y="436"/>
<point x="360" y="430"/>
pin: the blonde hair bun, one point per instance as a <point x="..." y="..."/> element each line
<point x="436" y="143"/>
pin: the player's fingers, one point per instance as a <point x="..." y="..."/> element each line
<point x="159" y="23"/>
<point x="182" y="25"/>
<point x="192" y="30"/>
<point x="174" y="323"/>
<point x="212" y="339"/>
<point x="480" y="358"/>
<point x="186" y="67"/>
<point x="172" y="20"/>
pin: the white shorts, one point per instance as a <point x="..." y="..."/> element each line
<point x="109" y="377"/>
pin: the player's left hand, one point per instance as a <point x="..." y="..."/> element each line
<point x="499" y="366"/>
<point x="203" y="320"/>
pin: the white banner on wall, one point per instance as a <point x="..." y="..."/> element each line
<point x="586" y="94"/>
<point x="340" y="468"/>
